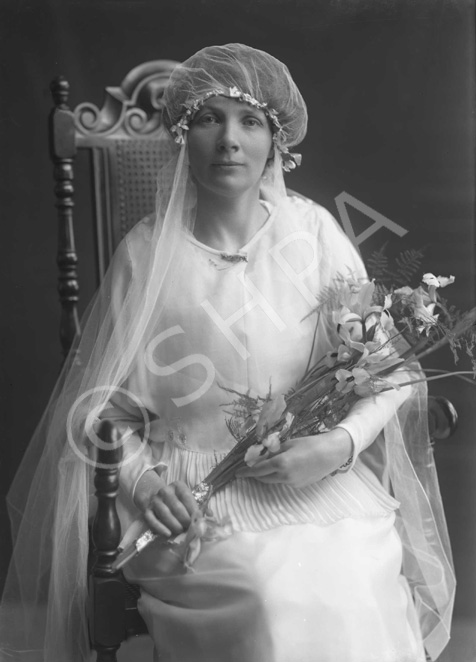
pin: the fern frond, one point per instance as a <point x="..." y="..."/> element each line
<point x="377" y="264"/>
<point x="394" y="273"/>
<point x="380" y="292"/>
<point x="408" y="263"/>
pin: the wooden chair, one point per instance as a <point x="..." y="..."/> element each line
<point x="123" y="139"/>
<point x="113" y="615"/>
<point x="124" y="142"/>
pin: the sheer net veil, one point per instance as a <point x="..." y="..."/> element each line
<point x="43" y="612"/>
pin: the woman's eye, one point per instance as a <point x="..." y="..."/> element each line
<point x="252" y="121"/>
<point x="207" y="119"/>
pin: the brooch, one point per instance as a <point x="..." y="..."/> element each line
<point x="233" y="258"/>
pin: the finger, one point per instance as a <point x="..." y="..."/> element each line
<point x="271" y="479"/>
<point x="249" y="472"/>
<point x="180" y="512"/>
<point x="155" y="525"/>
<point x="288" y="444"/>
<point x="184" y="493"/>
<point x="163" y="513"/>
<point x="174" y="504"/>
<point x="263" y="468"/>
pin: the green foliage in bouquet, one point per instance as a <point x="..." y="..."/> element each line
<point x="389" y="274"/>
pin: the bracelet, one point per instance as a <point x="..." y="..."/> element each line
<point x="344" y="467"/>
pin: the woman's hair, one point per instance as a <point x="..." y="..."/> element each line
<point x="252" y="72"/>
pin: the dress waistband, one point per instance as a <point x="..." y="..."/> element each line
<point x="255" y="506"/>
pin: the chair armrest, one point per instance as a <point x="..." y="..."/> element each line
<point x="442" y="417"/>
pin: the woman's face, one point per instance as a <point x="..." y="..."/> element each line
<point x="229" y="145"/>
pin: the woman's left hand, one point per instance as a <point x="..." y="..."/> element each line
<point x="303" y="460"/>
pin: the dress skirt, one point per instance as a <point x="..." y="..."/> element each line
<point x="300" y="593"/>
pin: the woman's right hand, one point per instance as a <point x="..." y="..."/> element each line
<point x="167" y="509"/>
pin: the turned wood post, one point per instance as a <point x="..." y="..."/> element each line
<point x="106" y="586"/>
<point x="62" y="153"/>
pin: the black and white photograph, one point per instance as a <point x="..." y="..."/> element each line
<point x="238" y="376"/>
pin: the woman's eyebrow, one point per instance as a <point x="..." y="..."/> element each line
<point x="207" y="108"/>
<point x="242" y="107"/>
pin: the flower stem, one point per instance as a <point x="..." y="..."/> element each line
<point x="430" y="379"/>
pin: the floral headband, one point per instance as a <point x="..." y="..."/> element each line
<point x="290" y="161"/>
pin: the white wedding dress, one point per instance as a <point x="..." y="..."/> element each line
<point x="309" y="575"/>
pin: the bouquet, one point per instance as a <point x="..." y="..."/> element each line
<point x="378" y="331"/>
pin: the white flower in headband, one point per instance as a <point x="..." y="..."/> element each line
<point x="234" y="93"/>
<point x="289" y="160"/>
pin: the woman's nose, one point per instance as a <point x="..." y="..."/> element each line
<point x="228" y="138"/>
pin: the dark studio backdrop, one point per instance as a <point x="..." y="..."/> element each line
<point x="390" y="91"/>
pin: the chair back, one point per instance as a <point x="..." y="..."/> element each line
<point x="126" y="146"/>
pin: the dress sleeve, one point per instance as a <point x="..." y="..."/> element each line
<point x="368" y="416"/>
<point x="137" y="456"/>
<point x="123" y="408"/>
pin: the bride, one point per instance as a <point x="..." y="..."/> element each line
<point x="326" y="562"/>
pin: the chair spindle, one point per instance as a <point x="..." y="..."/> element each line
<point x="62" y="153"/>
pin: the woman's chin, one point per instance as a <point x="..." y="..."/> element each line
<point x="228" y="185"/>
